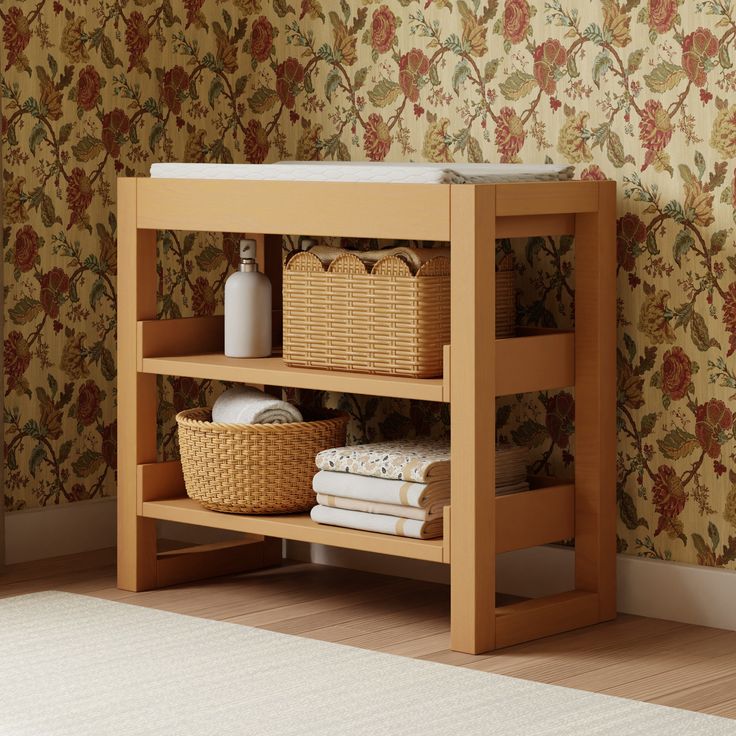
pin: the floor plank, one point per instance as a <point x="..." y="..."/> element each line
<point x="658" y="661"/>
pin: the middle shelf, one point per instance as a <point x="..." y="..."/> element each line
<point x="535" y="360"/>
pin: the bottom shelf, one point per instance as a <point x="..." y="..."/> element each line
<point x="298" y="527"/>
<point x="539" y="516"/>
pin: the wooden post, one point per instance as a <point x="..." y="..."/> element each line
<point x="472" y="539"/>
<point x="595" y="401"/>
<point x="270" y="261"/>
<point x="137" y="399"/>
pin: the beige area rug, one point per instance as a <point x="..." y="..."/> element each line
<point x="77" y="666"/>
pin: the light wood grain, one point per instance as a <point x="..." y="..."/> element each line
<point x="518" y="369"/>
<point x="157" y="481"/>
<point x="473" y="392"/>
<point x="595" y="401"/>
<point x="535" y="363"/>
<point x="548" y="516"/>
<point x="137" y="399"/>
<point x="546" y="198"/>
<point x="275" y="372"/>
<point x="540" y="617"/>
<point x="294" y="526"/>
<point x="270" y="258"/>
<point x="529" y="225"/>
<point x="223" y="558"/>
<point x="172" y="337"/>
<point x="408" y="211"/>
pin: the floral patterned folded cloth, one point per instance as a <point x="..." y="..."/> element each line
<point x="420" y="461"/>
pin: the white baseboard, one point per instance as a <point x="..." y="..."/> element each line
<point x="53" y="531"/>
<point x="691" y="594"/>
<point x="669" y="590"/>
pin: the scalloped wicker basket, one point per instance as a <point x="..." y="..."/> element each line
<point x="386" y="321"/>
<point x="255" y="468"/>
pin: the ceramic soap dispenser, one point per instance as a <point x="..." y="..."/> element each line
<point x="248" y="308"/>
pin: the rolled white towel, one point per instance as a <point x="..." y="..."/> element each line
<point x="246" y="405"/>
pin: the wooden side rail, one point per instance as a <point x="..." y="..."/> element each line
<point x="538" y="617"/>
<point x="184" y="336"/>
<point x="518" y="365"/>
<point x="536" y="517"/>
<point x="535" y="362"/>
<point x="529" y="519"/>
<point x="527" y="226"/>
<point x="546" y="198"/>
<point x="407" y="211"/>
<point x="222" y="558"/>
<point x="158" y="481"/>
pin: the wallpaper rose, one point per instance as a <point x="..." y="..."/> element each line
<point x="638" y="90"/>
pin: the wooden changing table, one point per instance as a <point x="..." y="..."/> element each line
<point x="477" y="369"/>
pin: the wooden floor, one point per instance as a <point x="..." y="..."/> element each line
<point x="663" y="662"/>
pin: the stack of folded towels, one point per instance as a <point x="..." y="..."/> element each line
<point x="398" y="488"/>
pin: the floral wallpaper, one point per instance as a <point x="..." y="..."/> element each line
<point x="640" y="91"/>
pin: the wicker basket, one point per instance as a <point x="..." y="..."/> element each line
<point x="388" y="321"/>
<point x="505" y="298"/>
<point x="255" y="468"/>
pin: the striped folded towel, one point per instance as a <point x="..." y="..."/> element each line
<point x="430" y="512"/>
<point x="382" y="490"/>
<point x="381" y="523"/>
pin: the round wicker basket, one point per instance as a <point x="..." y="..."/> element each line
<point x="255" y="468"/>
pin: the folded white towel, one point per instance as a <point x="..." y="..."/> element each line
<point x="433" y="511"/>
<point x="378" y="523"/>
<point x="381" y="490"/>
<point x="246" y="405"/>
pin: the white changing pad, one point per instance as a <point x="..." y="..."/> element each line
<point x="341" y="171"/>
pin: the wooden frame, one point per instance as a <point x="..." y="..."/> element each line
<point x="477" y="368"/>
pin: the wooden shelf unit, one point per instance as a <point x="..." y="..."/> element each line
<point x="477" y="369"/>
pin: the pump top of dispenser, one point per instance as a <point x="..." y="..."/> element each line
<point x="248" y="255"/>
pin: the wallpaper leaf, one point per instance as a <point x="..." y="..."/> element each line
<point x="637" y="90"/>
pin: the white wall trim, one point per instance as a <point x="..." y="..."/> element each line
<point x="688" y="593"/>
<point x="53" y="531"/>
<point x="83" y="526"/>
<point x="691" y="594"/>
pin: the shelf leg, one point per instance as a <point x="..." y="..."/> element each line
<point x="472" y="390"/>
<point x="270" y="259"/>
<point x="137" y="284"/>
<point x="595" y="401"/>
